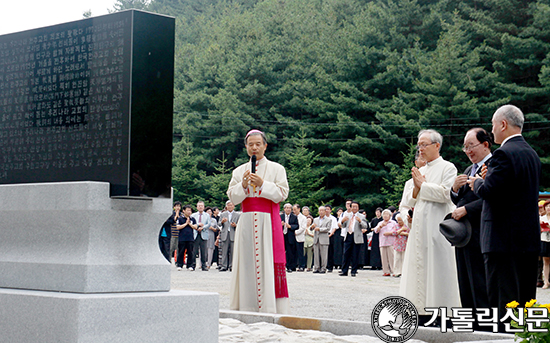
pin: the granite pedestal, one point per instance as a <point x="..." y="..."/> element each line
<point x="79" y="266"/>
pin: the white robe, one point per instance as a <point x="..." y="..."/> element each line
<point x="253" y="284"/>
<point x="403" y="205"/>
<point x="429" y="269"/>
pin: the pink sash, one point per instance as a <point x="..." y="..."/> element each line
<point x="264" y="205"/>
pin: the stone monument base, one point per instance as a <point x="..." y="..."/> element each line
<point x="79" y="266"/>
<point x="53" y="317"/>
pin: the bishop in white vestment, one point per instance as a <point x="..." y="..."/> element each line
<point x="258" y="279"/>
<point x="429" y="276"/>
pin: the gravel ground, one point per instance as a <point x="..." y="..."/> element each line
<point x="233" y="331"/>
<point x="314" y="295"/>
<point x="311" y="295"/>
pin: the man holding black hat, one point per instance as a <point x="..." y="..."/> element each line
<point x="469" y="259"/>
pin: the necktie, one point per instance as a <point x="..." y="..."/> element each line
<point x="200" y="217"/>
<point x="351" y="224"/>
<point x="474" y="169"/>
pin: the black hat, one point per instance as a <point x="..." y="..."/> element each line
<point x="457" y="232"/>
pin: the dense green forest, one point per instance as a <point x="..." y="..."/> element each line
<point x="341" y="87"/>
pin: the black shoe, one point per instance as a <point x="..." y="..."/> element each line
<point x="329" y="270"/>
<point x="222" y="270"/>
<point x="353" y="274"/>
<point x="204" y="269"/>
<point x="343" y="274"/>
<point x="316" y="272"/>
<point x="322" y="272"/>
<point x="301" y="269"/>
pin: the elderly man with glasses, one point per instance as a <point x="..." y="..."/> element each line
<point x="429" y="269"/>
<point x="469" y="259"/>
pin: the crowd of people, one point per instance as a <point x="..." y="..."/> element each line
<point x="317" y="244"/>
<point x="469" y="240"/>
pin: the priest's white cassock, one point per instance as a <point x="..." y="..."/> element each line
<point x="429" y="276"/>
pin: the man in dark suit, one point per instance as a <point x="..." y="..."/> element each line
<point x="510" y="228"/>
<point x="290" y="225"/>
<point x="469" y="259"/>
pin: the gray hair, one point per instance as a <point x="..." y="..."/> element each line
<point x="435" y="136"/>
<point x="264" y="138"/>
<point x="387" y="211"/>
<point x="287" y="204"/>
<point x="512" y="115"/>
<point x="322" y="207"/>
<point x="228" y="202"/>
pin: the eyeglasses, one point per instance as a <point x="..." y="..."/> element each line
<point x="423" y="146"/>
<point x="469" y="147"/>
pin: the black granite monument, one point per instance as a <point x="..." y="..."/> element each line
<point x="90" y="100"/>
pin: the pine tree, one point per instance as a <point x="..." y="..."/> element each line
<point x="397" y="176"/>
<point x="304" y="180"/>
<point x="186" y="176"/>
<point x="217" y="184"/>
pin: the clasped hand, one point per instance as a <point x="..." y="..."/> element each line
<point x="250" y="179"/>
<point x="472" y="179"/>
<point x="418" y="178"/>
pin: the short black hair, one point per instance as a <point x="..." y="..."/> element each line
<point x="483" y="136"/>
<point x="208" y="208"/>
<point x="392" y="208"/>
<point x="379" y="209"/>
<point x="184" y="207"/>
<point x="328" y="205"/>
<point x="355" y="202"/>
<point x="339" y="208"/>
<point x="177" y="203"/>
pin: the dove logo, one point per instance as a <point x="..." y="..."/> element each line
<point x="394" y="319"/>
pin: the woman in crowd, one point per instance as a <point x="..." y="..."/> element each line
<point x="375" y="261"/>
<point x="308" y="244"/>
<point x="401" y="233"/>
<point x="385" y="230"/>
<point x="217" y="253"/>
<point x="545" y="244"/>
<point x="211" y="243"/>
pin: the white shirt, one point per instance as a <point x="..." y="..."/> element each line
<point x="508" y="138"/>
<point x="334" y="226"/>
<point x="301" y="231"/>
